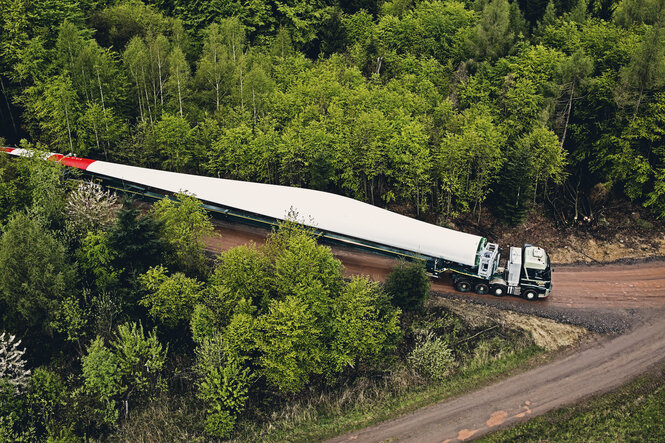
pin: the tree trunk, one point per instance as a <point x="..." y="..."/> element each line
<point x="569" y="109"/>
<point x="639" y="100"/>
<point x="101" y="91"/>
<point x="9" y="109"/>
<point x="179" y="94"/>
<point x="217" y="95"/>
<point x="69" y="131"/>
<point x="254" y="105"/>
<point x="161" y="83"/>
<point x="242" y="98"/>
<point x="147" y="97"/>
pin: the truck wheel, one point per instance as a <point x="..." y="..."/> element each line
<point x="463" y="286"/>
<point x="530" y="295"/>
<point x="499" y="291"/>
<point x="481" y="288"/>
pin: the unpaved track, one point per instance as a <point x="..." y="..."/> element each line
<point x="613" y="286"/>
<point x="602" y="291"/>
<point x="598" y="368"/>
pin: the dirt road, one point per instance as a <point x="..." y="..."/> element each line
<point x="609" y="295"/>
<point x="574" y="287"/>
<point x="600" y="367"/>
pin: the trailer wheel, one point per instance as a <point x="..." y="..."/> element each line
<point x="499" y="291"/>
<point x="530" y="295"/>
<point x="463" y="286"/>
<point x="481" y="288"/>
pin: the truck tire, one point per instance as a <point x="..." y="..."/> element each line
<point x="530" y="295"/>
<point x="481" y="288"/>
<point x="499" y="291"/>
<point x="463" y="285"/>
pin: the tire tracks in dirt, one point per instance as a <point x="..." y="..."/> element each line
<point x="601" y="366"/>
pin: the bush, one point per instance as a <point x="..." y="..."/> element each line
<point x="224" y="386"/>
<point x="12" y="364"/>
<point x="170" y="299"/>
<point x="130" y="368"/>
<point x="185" y="225"/>
<point x="89" y="208"/>
<point x="432" y="357"/>
<point x="409" y="286"/>
<point x="35" y="276"/>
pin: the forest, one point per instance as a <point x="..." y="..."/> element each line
<point x="436" y="109"/>
<point x="433" y="108"/>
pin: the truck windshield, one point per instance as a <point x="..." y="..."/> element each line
<point x="539" y="274"/>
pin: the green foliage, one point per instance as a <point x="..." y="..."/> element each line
<point x="54" y="108"/>
<point x="170" y="299"/>
<point x="290" y="344"/>
<point x="46" y="399"/>
<point x="432" y="357"/>
<point x="535" y="158"/>
<point x="35" y="275"/>
<point x="469" y="162"/>
<point x="102" y="378"/>
<point x="242" y="273"/>
<point x="135" y="242"/>
<point x="96" y="257"/>
<point x="646" y="69"/>
<point x="185" y="225"/>
<point x="70" y="319"/>
<point x="493" y="35"/>
<point x="204" y="323"/>
<point x="408" y="285"/>
<point x="365" y="326"/>
<point x="140" y="360"/>
<point x="13" y="426"/>
<point x="46" y="183"/>
<point x="129" y="368"/>
<point x="15" y="193"/>
<point x="224" y="386"/>
<point x="303" y="268"/>
<point x="297" y="318"/>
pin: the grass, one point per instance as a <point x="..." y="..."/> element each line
<point x="635" y="412"/>
<point x="362" y="405"/>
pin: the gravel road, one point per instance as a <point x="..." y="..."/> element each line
<point x="606" y="299"/>
<point x="597" y="367"/>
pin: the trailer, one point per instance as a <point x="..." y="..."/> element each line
<point x="474" y="263"/>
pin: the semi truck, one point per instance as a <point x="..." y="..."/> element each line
<point x="474" y="263"/>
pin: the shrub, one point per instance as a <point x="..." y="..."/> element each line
<point x="89" y="209"/>
<point x="12" y="364"/>
<point x="170" y="299"/>
<point x="185" y="225"/>
<point x="432" y="357"/>
<point x="35" y="275"/>
<point x="409" y="285"/>
<point x="224" y="386"/>
<point x="46" y="398"/>
<point x="130" y="368"/>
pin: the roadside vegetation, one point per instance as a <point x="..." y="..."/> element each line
<point x="630" y="413"/>
<point x="116" y="324"/>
